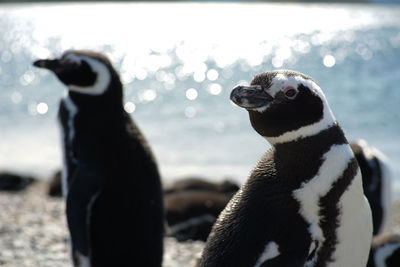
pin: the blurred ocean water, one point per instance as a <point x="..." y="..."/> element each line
<point x="179" y="62"/>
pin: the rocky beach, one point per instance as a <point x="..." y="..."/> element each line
<point x="33" y="232"/>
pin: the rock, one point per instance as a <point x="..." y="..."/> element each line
<point x="55" y="185"/>
<point x="14" y="182"/>
<point x="192" y="206"/>
<point x="197" y="183"/>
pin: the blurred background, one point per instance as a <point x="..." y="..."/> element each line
<point x="178" y="63"/>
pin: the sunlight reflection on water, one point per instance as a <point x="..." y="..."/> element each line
<point x="191" y="55"/>
<point x="194" y="38"/>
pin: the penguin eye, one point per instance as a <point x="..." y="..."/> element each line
<point x="290" y="92"/>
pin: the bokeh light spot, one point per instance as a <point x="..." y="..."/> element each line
<point x="190" y="112"/>
<point x="277" y="62"/>
<point x="129" y="107"/>
<point x="329" y="61"/>
<point x="42" y="108"/>
<point x="141" y="74"/>
<point x="199" y="76"/>
<point x="148" y="95"/>
<point x="212" y="74"/>
<point x="27" y="77"/>
<point x="215" y="89"/>
<point x="191" y="94"/>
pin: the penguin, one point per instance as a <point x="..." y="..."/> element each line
<point x="376" y="177"/>
<point x="193" y="204"/>
<point x="111" y="183"/>
<point x="191" y="214"/>
<point x="385" y="251"/>
<point x="197" y="183"/>
<point x="303" y="203"/>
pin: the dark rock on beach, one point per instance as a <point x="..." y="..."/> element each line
<point x="191" y="214"/>
<point x="189" y="183"/>
<point x="55" y="185"/>
<point x="14" y="182"/>
<point x="193" y="204"/>
<point x="198" y="183"/>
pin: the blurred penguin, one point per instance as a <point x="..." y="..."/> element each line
<point x="193" y="204"/>
<point x="385" y="251"/>
<point x="376" y="178"/>
<point x="110" y="177"/>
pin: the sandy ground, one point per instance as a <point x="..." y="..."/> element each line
<point x="33" y="232"/>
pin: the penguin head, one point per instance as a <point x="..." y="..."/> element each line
<point x="284" y="105"/>
<point x="84" y="72"/>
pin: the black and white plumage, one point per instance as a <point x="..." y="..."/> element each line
<point x="303" y="204"/>
<point x="110" y="177"/>
<point x="376" y="177"/>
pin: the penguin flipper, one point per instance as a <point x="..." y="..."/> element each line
<point x="83" y="187"/>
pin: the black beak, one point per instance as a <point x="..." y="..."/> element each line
<point x="56" y="65"/>
<point x="250" y="97"/>
<point x="50" y="64"/>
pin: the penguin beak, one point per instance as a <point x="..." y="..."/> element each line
<point x="250" y="97"/>
<point x="55" y="65"/>
<point x="50" y="64"/>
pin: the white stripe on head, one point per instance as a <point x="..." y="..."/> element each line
<point x="328" y="119"/>
<point x="103" y="75"/>
<point x="281" y="80"/>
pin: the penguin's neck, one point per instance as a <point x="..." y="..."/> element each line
<point x="89" y="114"/>
<point x="327" y="120"/>
<point x="109" y="101"/>
<point x="327" y="137"/>
<point x="90" y="123"/>
<point x="305" y="155"/>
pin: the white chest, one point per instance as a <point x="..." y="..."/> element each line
<point x="354" y="230"/>
<point x="67" y="139"/>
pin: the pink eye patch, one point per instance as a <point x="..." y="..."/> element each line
<point x="290" y="92"/>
